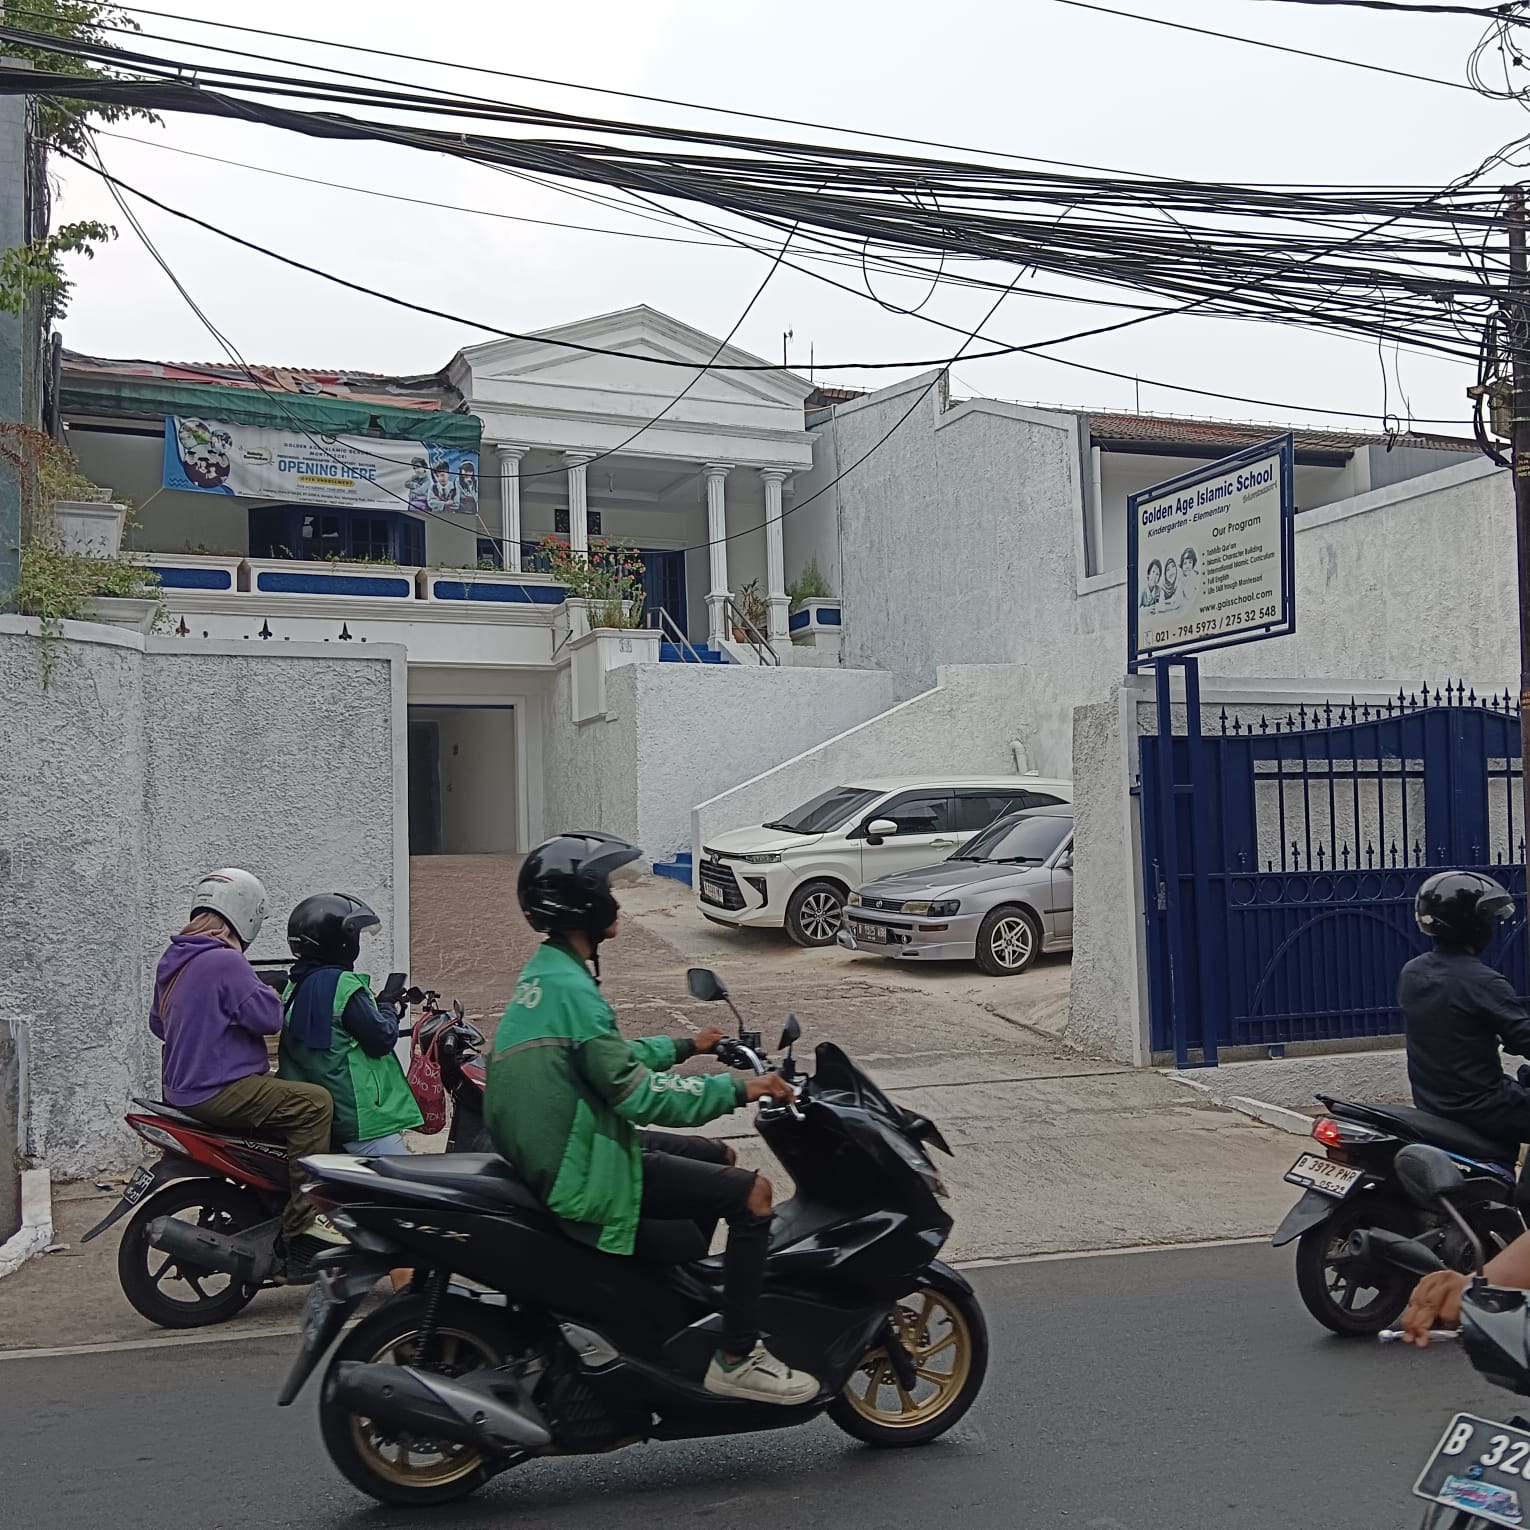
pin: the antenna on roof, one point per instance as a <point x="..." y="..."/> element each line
<point x="786" y="334"/>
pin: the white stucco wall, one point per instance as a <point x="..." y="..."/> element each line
<point x="676" y="734"/>
<point x="967" y="536"/>
<point x="142" y="764"/>
<point x="967" y="724"/>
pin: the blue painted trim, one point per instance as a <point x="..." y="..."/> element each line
<point x="677" y="870"/>
<point x="818" y="617"/>
<point x="279" y="582"/>
<point x="798" y="620"/>
<point x="502" y="594"/>
<point x="194" y="578"/>
<point x="828" y="616"/>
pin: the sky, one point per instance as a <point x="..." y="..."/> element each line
<point x="1033" y="77"/>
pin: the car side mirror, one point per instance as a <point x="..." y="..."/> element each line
<point x="1065" y="861"/>
<point x="1428" y="1174"/>
<point x="879" y="829"/>
<point x="705" y="985"/>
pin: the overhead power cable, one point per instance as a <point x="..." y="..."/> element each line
<point x="1406" y="8"/>
<point x="1259" y="42"/>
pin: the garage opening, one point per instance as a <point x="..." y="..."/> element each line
<point x="462" y="787"/>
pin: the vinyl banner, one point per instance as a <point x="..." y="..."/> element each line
<point x="296" y="467"/>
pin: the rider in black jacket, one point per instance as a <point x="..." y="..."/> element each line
<point x="1459" y="1012"/>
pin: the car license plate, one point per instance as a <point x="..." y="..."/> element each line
<point x="138" y="1186"/>
<point x="872" y="934"/>
<point x="1480" y="1468"/>
<point x="1314" y="1172"/>
<point x="710" y="894"/>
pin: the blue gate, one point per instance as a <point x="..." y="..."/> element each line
<point x="1282" y="853"/>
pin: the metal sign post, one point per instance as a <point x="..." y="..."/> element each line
<point x="1209" y="563"/>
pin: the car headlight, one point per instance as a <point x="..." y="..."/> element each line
<point x="917" y="908"/>
<point x="853" y="901"/>
<point x="945" y="906"/>
<point x="764" y="858"/>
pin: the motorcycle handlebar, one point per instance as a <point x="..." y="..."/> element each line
<point x="1436" y="1335"/>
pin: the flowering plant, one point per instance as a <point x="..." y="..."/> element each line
<point x="609" y="577"/>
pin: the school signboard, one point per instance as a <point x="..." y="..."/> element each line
<point x="1209" y="556"/>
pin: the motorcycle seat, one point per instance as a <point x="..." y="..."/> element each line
<point x="485" y="1176"/>
<point x="1423" y="1126"/>
<point x="489" y="1178"/>
<point x="170" y="1113"/>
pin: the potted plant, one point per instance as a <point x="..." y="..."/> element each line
<point x="755" y="610"/>
<point x="608" y="579"/>
<point x="814" y="606"/>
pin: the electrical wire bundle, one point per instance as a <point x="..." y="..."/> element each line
<point x="1406" y="265"/>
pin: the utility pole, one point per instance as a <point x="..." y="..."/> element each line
<point x="13" y="333"/>
<point x="1519" y="356"/>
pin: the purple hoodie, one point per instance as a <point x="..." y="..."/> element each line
<point x="219" y="1014"/>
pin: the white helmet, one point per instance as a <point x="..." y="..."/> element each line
<point x="235" y="895"/>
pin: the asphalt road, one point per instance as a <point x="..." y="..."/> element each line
<point x="1182" y="1389"/>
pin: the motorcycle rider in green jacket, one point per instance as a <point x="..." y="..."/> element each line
<point x="567" y="1094"/>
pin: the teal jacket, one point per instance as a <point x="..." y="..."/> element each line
<point x="567" y="1092"/>
<point x="353" y="1059"/>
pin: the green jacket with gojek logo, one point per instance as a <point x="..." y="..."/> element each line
<point x="566" y="1093"/>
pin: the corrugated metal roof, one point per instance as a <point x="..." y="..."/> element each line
<point x="1154" y="429"/>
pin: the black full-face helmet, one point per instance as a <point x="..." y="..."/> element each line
<point x="1461" y="908"/>
<point x="326" y="928"/>
<point x="565" y="884"/>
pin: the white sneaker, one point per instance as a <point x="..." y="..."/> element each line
<point x="761" y="1377"/>
<point x="323" y="1231"/>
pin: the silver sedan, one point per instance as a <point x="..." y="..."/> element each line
<point x="1001" y="900"/>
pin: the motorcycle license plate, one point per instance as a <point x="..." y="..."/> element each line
<point x="138" y="1186"/>
<point x="1314" y="1172"/>
<point x="1481" y="1468"/>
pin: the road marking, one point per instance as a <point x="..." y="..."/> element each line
<point x="287" y="1331"/>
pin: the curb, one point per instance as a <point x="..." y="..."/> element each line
<point x="36" y="1230"/>
<point x="1278" y="1116"/>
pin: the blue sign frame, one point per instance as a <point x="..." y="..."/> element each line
<point x="1285" y="623"/>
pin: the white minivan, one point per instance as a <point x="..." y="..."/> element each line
<point x="796" y="871"/>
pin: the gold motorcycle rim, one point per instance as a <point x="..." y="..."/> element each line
<point x="931" y="1327"/>
<point x="411" y="1463"/>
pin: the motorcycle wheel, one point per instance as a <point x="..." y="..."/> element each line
<point x="170" y="1292"/>
<point x="942" y="1327"/>
<point x="394" y="1468"/>
<point x="1347" y="1298"/>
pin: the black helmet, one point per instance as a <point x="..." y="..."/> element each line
<point x="326" y="928"/>
<point x="1460" y="908"/>
<point x="565" y="884"/>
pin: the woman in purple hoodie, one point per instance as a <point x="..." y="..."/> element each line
<point x="213" y="1014"/>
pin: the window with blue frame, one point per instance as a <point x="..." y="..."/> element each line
<point x="320" y="532"/>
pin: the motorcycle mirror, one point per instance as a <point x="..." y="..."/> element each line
<point x="1428" y="1174"/>
<point x="790" y="1033"/>
<point x="705" y="985"/>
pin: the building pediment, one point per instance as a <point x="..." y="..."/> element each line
<point x="637" y="352"/>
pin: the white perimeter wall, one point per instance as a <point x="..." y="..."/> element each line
<point x="963" y="539"/>
<point x="144" y="763"/>
<point x="967" y="724"/>
<point x="675" y="734"/>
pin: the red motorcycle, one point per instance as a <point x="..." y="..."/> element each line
<point x="206" y="1214"/>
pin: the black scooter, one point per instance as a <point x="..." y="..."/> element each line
<point x="1479" y="1473"/>
<point x="515" y="1341"/>
<point x="1354" y="1215"/>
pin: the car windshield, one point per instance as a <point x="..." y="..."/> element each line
<point x="829" y="811"/>
<point x="1019" y="841"/>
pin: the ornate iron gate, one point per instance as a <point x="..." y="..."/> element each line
<point x="1280" y="910"/>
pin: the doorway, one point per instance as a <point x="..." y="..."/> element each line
<point x="463" y="792"/>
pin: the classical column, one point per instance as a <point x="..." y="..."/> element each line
<point x="717" y="547"/>
<point x="510" y="506"/>
<point x="578" y="502"/>
<point x="774" y="480"/>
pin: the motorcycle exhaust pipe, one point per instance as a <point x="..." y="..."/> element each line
<point x="203" y="1249"/>
<point x="491" y="1414"/>
<point x="1376" y="1245"/>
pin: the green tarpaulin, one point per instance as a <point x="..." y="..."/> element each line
<point x="152" y="399"/>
